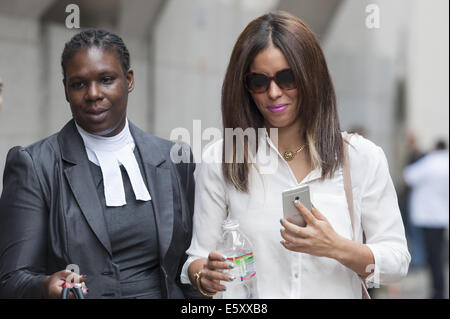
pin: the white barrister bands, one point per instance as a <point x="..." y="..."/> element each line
<point x="109" y="153"/>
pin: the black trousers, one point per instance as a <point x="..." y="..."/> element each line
<point x="434" y="246"/>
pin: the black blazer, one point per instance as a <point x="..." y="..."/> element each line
<point x="50" y="215"/>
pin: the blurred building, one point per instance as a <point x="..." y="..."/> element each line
<point x="390" y="77"/>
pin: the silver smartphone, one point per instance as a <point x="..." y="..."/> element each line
<point x="290" y="212"/>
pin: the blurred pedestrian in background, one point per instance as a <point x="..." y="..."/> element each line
<point x="413" y="233"/>
<point x="429" y="206"/>
<point x="358" y="129"/>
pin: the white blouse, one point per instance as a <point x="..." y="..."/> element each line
<point x="285" y="274"/>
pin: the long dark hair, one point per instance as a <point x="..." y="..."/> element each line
<point x="317" y="107"/>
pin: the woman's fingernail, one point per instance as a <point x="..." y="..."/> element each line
<point x="224" y="289"/>
<point x="224" y="257"/>
<point x="230" y="265"/>
<point x="281" y="220"/>
<point x="296" y="202"/>
<point x="231" y="278"/>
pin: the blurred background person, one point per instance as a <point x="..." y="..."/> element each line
<point x="428" y="178"/>
<point x="413" y="233"/>
<point x="360" y="130"/>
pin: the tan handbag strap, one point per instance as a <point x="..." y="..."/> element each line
<point x="351" y="208"/>
<point x="348" y="187"/>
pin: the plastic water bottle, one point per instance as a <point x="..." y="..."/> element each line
<point x="239" y="251"/>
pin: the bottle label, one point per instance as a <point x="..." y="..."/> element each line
<point x="245" y="265"/>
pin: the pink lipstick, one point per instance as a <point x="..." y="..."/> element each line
<point x="278" y="108"/>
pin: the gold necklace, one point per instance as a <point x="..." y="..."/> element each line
<point x="289" y="155"/>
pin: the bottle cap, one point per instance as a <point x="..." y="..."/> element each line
<point x="230" y="224"/>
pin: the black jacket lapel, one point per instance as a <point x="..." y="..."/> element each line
<point x="159" y="181"/>
<point x="81" y="182"/>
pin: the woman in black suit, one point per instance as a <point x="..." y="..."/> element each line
<point x="100" y="197"/>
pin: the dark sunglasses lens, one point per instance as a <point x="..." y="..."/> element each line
<point x="285" y="80"/>
<point x="257" y="83"/>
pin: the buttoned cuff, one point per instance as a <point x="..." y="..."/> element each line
<point x="391" y="265"/>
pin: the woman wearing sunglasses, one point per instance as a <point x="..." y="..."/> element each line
<point x="277" y="78"/>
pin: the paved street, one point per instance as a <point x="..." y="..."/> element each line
<point x="414" y="286"/>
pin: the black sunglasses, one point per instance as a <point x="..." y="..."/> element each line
<point x="260" y="83"/>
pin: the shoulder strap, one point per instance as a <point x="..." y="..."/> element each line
<point x="349" y="196"/>
<point x="348" y="186"/>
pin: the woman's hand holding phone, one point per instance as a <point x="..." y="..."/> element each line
<point x="317" y="238"/>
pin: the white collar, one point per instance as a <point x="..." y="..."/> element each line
<point x="109" y="153"/>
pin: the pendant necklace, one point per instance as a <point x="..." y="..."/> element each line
<point x="289" y="155"/>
